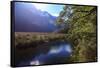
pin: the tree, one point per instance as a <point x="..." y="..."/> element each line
<point x="81" y="30"/>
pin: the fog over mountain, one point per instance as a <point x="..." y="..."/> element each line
<point x="30" y="19"/>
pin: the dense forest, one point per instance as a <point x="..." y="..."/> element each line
<point x="80" y="25"/>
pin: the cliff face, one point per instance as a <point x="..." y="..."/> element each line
<point x="81" y="32"/>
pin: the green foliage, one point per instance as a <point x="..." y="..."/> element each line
<point x="81" y="31"/>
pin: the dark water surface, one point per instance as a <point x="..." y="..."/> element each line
<point x="58" y="53"/>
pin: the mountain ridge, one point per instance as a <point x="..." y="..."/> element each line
<point x="30" y="19"/>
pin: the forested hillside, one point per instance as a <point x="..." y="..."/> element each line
<point x="79" y="23"/>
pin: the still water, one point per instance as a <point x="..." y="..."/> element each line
<point x="58" y="53"/>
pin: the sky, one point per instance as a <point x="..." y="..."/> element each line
<point x="50" y="8"/>
<point x="53" y="9"/>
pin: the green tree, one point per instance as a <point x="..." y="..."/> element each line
<point x="80" y="25"/>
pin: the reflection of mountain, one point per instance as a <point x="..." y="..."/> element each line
<point x="30" y="19"/>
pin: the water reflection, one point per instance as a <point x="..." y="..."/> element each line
<point x="61" y="48"/>
<point x="58" y="53"/>
<point x="54" y="55"/>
